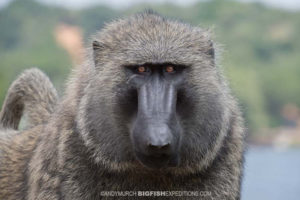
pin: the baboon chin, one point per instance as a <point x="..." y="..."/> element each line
<point x="148" y="110"/>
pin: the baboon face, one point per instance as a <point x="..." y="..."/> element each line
<point x="155" y="129"/>
<point x="154" y="96"/>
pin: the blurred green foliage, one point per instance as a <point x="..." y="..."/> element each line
<point x="260" y="46"/>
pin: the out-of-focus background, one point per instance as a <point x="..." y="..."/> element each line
<point x="261" y="58"/>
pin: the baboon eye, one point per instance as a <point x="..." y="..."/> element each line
<point x="142" y="69"/>
<point x="170" y="69"/>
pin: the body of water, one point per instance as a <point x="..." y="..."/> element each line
<point x="271" y="174"/>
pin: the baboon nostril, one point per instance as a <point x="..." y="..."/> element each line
<point x="162" y="146"/>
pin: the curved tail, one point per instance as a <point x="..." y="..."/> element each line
<point x="31" y="92"/>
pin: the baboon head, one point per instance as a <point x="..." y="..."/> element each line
<point x="155" y="99"/>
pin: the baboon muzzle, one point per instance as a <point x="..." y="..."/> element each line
<point x="156" y="131"/>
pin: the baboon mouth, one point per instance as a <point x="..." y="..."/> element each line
<point x="157" y="161"/>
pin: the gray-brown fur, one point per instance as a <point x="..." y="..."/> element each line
<point x="85" y="147"/>
<point x="33" y="92"/>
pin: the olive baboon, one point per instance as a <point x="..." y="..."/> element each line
<point x="149" y="110"/>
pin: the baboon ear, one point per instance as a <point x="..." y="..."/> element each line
<point x="97" y="49"/>
<point x="211" y="49"/>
